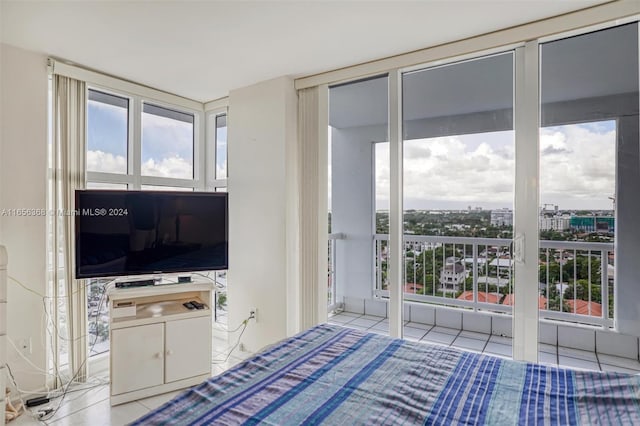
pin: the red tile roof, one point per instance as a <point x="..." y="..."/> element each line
<point x="509" y="299"/>
<point x="581" y="307"/>
<point x="482" y="297"/>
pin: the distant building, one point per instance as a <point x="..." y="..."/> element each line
<point x="452" y="275"/>
<point x="414" y="288"/>
<point x="420" y="246"/>
<point x="502" y="262"/>
<point x="555" y="223"/>
<point x="601" y="224"/>
<point x="502" y="217"/>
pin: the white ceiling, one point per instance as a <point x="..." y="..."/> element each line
<point x="202" y="50"/>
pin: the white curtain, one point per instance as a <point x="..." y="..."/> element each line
<point x="312" y="199"/>
<point x="69" y="174"/>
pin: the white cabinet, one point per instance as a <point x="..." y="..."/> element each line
<point x="137" y="355"/>
<point x="187" y="350"/>
<point x="157" y="345"/>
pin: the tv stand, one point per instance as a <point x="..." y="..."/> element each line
<point x="156" y="343"/>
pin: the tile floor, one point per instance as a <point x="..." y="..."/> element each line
<point x="91" y="406"/>
<point x="489" y="344"/>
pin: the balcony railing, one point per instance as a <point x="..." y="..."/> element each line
<point x="478" y="274"/>
<point x="331" y="293"/>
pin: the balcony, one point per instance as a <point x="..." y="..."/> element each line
<point x="459" y="291"/>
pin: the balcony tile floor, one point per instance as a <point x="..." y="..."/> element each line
<point x="489" y="344"/>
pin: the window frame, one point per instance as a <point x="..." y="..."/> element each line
<point x="527" y="125"/>
<point x="211" y="117"/>
<point x="134" y="178"/>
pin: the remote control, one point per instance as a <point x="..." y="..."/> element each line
<point x="198" y="305"/>
<point x="189" y="305"/>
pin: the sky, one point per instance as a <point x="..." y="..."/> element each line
<point x="577" y="162"/>
<point x="167" y="145"/>
<point x="577" y="169"/>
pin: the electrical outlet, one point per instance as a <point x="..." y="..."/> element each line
<point x="25" y="346"/>
<point x="254" y="313"/>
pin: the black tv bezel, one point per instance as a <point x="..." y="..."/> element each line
<point x="79" y="276"/>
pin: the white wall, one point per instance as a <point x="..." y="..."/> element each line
<point x="261" y="161"/>
<point x="22" y="185"/>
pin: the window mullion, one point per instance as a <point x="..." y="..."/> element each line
<point x="527" y="122"/>
<point x="396" y="231"/>
<point x="135" y="152"/>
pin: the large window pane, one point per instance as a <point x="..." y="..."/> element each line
<point x="589" y="165"/>
<point x="98" y="317"/>
<point x="103" y="185"/>
<point x="107" y="133"/>
<point x="221" y="147"/>
<point x="167" y="142"/>
<point x="459" y="174"/>
<point x="359" y="153"/>
<point x="164" y="188"/>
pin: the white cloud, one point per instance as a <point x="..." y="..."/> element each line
<point x="99" y="161"/>
<point x="441" y="171"/>
<point x="221" y="170"/>
<point x="174" y="167"/>
<point x="577" y="166"/>
<point x="577" y="170"/>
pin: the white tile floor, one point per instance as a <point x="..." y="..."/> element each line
<point x="489" y="344"/>
<point x="92" y="407"/>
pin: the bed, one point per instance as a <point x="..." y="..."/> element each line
<point x="339" y="376"/>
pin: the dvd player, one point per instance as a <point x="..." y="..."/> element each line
<point x="137" y="283"/>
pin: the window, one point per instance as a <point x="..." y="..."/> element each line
<point x="165" y="149"/>
<point x="221" y="146"/>
<point x="588" y="171"/>
<point x="359" y="141"/>
<point x="167" y="142"/>
<point x="163" y="188"/>
<point x="217" y="181"/>
<point x="476" y="187"/>
<point x="459" y="167"/>
<point x="107" y="133"/>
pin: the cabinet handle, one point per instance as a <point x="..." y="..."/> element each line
<point x="169" y="352"/>
<point x="158" y="355"/>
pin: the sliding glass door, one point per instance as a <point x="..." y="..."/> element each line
<point x="358" y="200"/>
<point x="490" y="202"/>
<point x="458" y="196"/>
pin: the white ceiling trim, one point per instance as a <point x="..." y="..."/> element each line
<point x="118" y="84"/>
<point x="615" y="12"/>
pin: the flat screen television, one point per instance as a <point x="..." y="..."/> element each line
<point x="149" y="232"/>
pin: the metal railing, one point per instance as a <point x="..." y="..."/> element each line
<point x="332" y="302"/>
<point x="575" y="285"/>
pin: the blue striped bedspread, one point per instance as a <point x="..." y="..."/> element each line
<point x="338" y="376"/>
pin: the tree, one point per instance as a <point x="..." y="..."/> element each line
<point x="582" y="292"/>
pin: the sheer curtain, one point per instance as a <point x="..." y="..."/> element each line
<point x="69" y="174"/>
<point x="312" y="204"/>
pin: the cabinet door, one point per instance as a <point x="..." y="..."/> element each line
<point x="188" y="348"/>
<point x="137" y="358"/>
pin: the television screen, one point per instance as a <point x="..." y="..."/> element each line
<point x="147" y="232"/>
